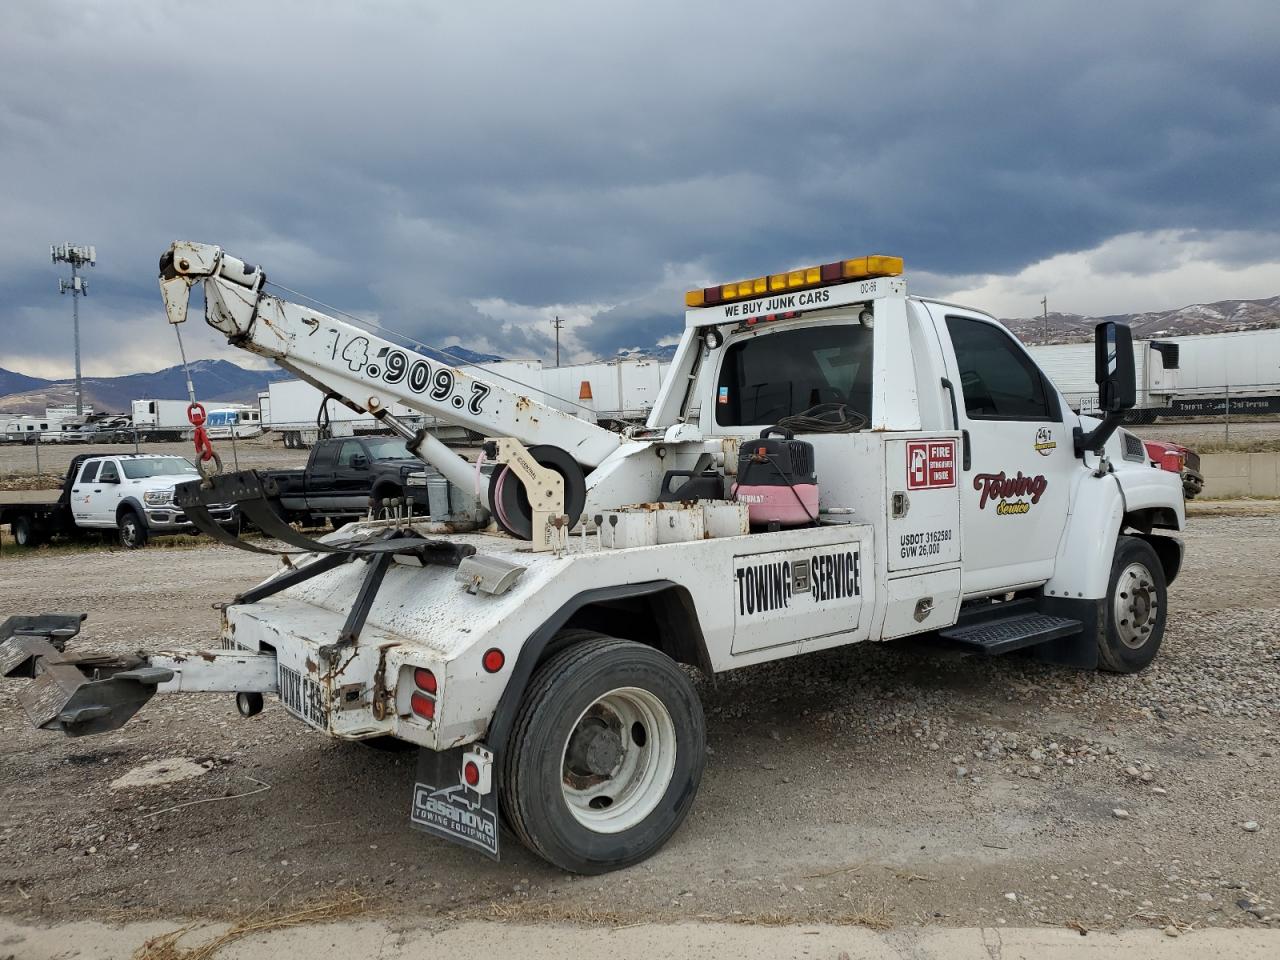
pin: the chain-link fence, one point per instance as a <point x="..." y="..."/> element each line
<point x="49" y="455"/>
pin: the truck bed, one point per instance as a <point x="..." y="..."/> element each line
<point x="36" y="498"/>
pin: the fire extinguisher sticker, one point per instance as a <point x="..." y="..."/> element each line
<point x="931" y="464"/>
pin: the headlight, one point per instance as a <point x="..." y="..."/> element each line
<point x="416" y="479"/>
<point x="157" y="498"/>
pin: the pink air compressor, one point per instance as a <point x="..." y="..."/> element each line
<point x="776" y="480"/>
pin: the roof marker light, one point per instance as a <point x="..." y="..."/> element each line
<point x="838" y="271"/>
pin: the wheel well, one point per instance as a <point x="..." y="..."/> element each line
<point x="1151" y="518"/>
<point x="658" y="613"/>
<point x="129" y="506"/>
<point x="384" y="488"/>
<point x="665" y="620"/>
<point x="1169" y="552"/>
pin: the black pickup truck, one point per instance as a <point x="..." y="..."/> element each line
<point x="345" y="476"/>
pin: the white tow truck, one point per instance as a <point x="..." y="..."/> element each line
<point x="541" y="660"/>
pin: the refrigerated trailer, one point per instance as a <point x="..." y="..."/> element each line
<point x="161" y="419"/>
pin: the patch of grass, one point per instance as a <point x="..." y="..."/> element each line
<point x="94" y="544"/>
<point x="167" y="946"/>
<point x="874" y="916"/>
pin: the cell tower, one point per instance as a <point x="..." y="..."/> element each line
<point x="78" y="257"/>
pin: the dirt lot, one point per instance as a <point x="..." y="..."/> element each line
<point x="883" y="783"/>
<point x="1244" y="432"/>
<point x="20" y="459"/>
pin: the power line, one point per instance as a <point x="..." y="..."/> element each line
<point x="557" y="323"/>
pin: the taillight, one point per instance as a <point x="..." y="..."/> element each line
<point x="425" y="679"/>
<point x="423" y="706"/>
<point x="471" y="773"/>
<point x="1171" y="461"/>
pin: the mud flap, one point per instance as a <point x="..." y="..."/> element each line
<point x="444" y="806"/>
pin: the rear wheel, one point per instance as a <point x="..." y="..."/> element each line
<point x="1137" y="600"/>
<point x="132" y="529"/>
<point x="605" y="757"/>
<point x="25" y="533"/>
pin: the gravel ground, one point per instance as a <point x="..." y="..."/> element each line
<point x="895" y="782"/>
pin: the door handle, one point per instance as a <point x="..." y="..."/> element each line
<point x="97" y="491"/>
<point x="901" y="504"/>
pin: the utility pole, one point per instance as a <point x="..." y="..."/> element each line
<point x="1044" y="309"/>
<point x="78" y="257"/>
<point x="557" y="323"/>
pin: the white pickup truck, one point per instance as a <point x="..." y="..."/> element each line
<point x="129" y="493"/>
<point x="830" y="462"/>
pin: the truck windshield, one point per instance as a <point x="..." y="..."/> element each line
<point x="388" y="448"/>
<point x="781" y="374"/>
<point x="158" y="467"/>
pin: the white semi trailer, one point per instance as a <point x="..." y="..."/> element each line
<point x="947" y="488"/>
<point x="161" y="419"/>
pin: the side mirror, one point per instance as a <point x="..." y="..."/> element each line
<point x="1117" y="384"/>
<point x="359" y="462"/>
<point x="1113" y="367"/>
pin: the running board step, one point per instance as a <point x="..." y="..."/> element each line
<point x="1013" y="633"/>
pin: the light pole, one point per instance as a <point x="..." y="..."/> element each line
<point x="1044" y="308"/>
<point x="78" y="257"/>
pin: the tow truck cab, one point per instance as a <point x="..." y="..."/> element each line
<point x="969" y="455"/>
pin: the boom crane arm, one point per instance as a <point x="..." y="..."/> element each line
<point x="367" y="372"/>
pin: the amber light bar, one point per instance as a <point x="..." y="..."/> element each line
<point x="842" y="271"/>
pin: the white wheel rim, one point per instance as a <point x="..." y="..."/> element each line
<point x="1137" y="606"/>
<point x="618" y="760"/>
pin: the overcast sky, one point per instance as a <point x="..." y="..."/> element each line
<point x="464" y="171"/>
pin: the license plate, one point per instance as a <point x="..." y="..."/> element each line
<point x="303" y="697"/>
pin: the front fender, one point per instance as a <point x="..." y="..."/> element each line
<point x="131" y="503"/>
<point x="1083" y="566"/>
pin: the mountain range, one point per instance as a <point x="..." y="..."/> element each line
<point x="226" y="382"/>
<point x="1222" y="316"/>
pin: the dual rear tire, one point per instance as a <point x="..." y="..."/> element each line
<point x="605" y="756"/>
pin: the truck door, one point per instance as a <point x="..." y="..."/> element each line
<point x="321" y="476"/>
<point x="1015" y="491"/>
<point x="83" y="490"/>
<point x="352" y="476"/>
<point x="106" y="495"/>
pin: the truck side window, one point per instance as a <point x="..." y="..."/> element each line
<point x="350" y="450"/>
<point x="109" y="472"/>
<point x="771" y="376"/>
<point x="89" y="471"/>
<point x="999" y="381"/>
<point x="325" y="455"/>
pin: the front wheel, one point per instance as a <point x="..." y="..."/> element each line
<point x="132" y="529"/>
<point x="605" y="757"/>
<point x="1137" y="601"/>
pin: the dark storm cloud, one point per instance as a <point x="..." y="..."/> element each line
<point x="403" y="160"/>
